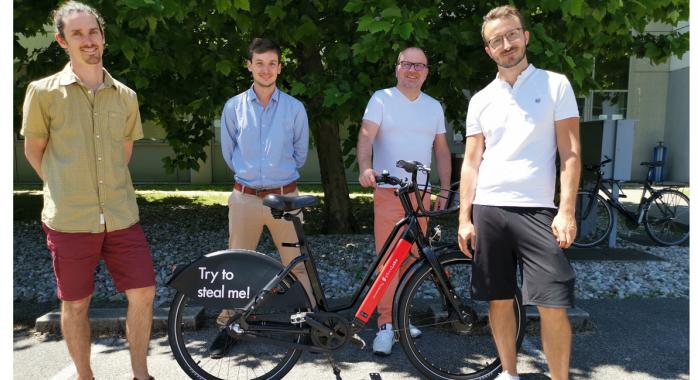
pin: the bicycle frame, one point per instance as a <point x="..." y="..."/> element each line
<point x="635" y="217"/>
<point x="412" y="234"/>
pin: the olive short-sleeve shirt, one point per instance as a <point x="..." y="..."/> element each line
<point x="87" y="184"/>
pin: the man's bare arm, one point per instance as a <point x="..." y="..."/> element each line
<point x="128" y="150"/>
<point x="364" y="153"/>
<point x="34" y="149"/>
<point x="474" y="148"/>
<point x="569" y="148"/>
<point x="442" y="153"/>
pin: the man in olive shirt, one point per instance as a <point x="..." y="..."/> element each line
<point x="79" y="126"/>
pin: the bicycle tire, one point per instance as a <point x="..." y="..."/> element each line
<point x="594" y="219"/>
<point x="245" y="360"/>
<point x="473" y="355"/>
<point x="666" y="217"/>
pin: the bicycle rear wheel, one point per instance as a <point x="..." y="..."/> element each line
<point x="447" y="348"/>
<point x="594" y="219"/>
<point x="666" y="217"/>
<point x="246" y="359"/>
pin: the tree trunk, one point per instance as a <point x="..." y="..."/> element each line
<point x="339" y="217"/>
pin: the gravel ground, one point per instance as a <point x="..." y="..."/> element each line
<point x="341" y="260"/>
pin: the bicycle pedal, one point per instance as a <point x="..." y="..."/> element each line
<point x="436" y="234"/>
<point x="298" y="318"/>
<point x="356" y="339"/>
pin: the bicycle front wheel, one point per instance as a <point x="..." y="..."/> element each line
<point x="246" y="359"/>
<point x="447" y="348"/>
<point x="666" y="217"/>
<point x="594" y="219"/>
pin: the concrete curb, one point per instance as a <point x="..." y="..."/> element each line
<point x="113" y="320"/>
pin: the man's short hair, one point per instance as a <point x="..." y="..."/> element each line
<point x="69" y="7"/>
<point x="501" y="12"/>
<point x="263" y="45"/>
<point x="411" y="48"/>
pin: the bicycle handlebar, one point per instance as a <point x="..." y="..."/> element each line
<point x="413" y="167"/>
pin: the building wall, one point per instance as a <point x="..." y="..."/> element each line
<point x="677" y="125"/>
<point x="647" y="93"/>
<point x="658" y="98"/>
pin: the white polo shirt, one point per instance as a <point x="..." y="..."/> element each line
<point x="406" y="129"/>
<point x="518" y="123"/>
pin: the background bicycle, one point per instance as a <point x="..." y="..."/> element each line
<point x="663" y="212"/>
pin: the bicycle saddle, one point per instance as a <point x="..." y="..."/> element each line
<point x="286" y="203"/>
<point x="652" y="164"/>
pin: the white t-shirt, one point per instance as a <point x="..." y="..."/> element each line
<point x="518" y="165"/>
<point x="406" y="129"/>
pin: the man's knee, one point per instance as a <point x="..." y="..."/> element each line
<point x="76" y="308"/>
<point x="552" y="314"/>
<point x="141" y="296"/>
<point x="498" y="305"/>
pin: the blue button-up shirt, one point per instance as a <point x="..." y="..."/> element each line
<point x="265" y="147"/>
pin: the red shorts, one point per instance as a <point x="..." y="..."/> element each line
<point x="76" y="255"/>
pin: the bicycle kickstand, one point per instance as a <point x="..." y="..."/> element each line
<point x="335" y="366"/>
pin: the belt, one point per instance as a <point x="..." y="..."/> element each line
<point x="264" y="192"/>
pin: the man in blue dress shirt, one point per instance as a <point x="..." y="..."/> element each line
<point x="264" y="138"/>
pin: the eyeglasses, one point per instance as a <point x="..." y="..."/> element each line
<point x="511" y="36"/>
<point x="406" y="65"/>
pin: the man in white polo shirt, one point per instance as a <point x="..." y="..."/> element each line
<point x="400" y="123"/>
<point x="515" y="127"/>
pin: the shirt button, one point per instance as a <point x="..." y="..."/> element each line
<point x="97" y="136"/>
<point x="99" y="158"/>
<point x="100" y="181"/>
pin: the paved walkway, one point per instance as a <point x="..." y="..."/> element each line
<point x="632" y="339"/>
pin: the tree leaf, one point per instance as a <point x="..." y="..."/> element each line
<point x="242" y="4"/>
<point x="224" y="67"/>
<point x="274" y="12"/>
<point x="379" y="26"/>
<point x="405" y="30"/>
<point x="353" y="6"/>
<point x="394" y="12"/>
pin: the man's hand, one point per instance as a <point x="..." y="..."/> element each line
<point x="466" y="238"/>
<point x="442" y="199"/>
<point x="565" y="229"/>
<point x="367" y="178"/>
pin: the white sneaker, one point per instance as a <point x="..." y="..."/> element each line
<point x="506" y="376"/>
<point x="415" y="332"/>
<point x="384" y="340"/>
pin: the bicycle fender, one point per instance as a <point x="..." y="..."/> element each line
<point x="229" y="278"/>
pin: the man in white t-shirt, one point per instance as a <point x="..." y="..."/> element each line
<point x="400" y="123"/>
<point x="515" y="127"/>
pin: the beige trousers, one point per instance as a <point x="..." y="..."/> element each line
<point x="247" y="216"/>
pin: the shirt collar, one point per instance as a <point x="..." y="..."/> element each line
<point x="67" y="77"/>
<point x="520" y="79"/>
<point x="252" y="96"/>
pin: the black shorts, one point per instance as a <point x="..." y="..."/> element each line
<point x="507" y="234"/>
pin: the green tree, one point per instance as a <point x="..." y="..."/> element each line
<point x="186" y="57"/>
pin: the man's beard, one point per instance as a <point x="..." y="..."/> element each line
<point x="505" y="65"/>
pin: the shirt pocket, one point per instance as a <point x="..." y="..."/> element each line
<point x="116" y="122"/>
